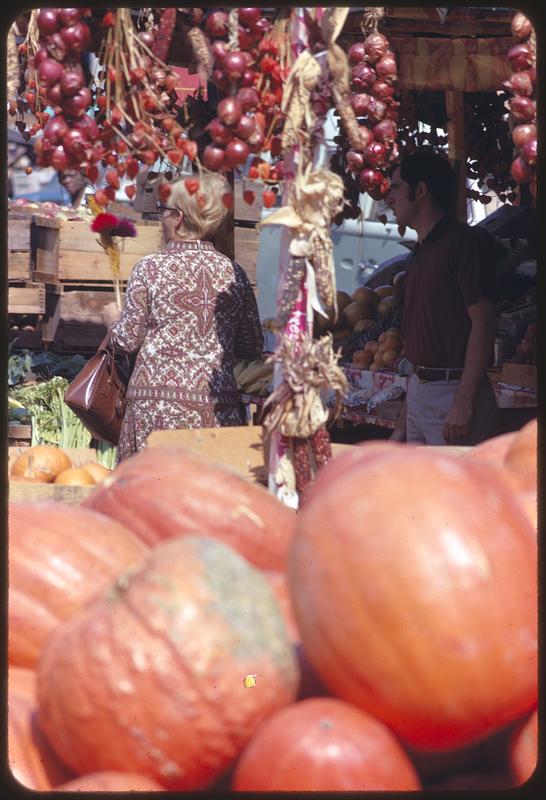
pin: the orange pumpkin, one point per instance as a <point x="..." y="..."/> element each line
<point x="492" y="451"/>
<point x="523" y="749"/>
<point x="151" y="677"/>
<point x="75" y="476"/>
<point x="97" y="471"/>
<point x="22" y="681"/>
<point x="279" y="585"/>
<point x="167" y="491"/>
<point x="323" y="744"/>
<point x="30" y="757"/>
<point x="40" y="463"/>
<point x="521" y="456"/>
<point x="59" y="556"/>
<point x="406" y="597"/>
<point x="111" y="782"/>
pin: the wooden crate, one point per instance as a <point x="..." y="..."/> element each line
<point x="77" y="337"/>
<point x="239" y="448"/>
<point x="19" y="266"/>
<point x="19" y="247"/>
<point x="84" y="305"/>
<point x="19" y="231"/>
<point x="19" y="436"/>
<point x="247" y="242"/>
<point x="21" y="491"/>
<point x="69" y="250"/>
<point x="28" y="299"/>
<point x="242" y="210"/>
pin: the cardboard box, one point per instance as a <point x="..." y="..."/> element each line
<point x="519" y="374"/>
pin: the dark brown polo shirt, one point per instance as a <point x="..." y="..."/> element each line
<point x="450" y="270"/>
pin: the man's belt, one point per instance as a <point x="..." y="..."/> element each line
<point x="429" y="374"/>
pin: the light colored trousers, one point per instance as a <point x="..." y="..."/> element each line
<point x="427" y="405"/>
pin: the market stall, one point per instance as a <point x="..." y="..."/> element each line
<point x="244" y="608"/>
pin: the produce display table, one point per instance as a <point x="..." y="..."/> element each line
<point x="508" y="396"/>
<point x="238" y="448"/>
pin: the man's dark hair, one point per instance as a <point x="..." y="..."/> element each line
<point x="435" y="171"/>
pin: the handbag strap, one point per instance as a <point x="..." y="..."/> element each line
<point x="107" y="346"/>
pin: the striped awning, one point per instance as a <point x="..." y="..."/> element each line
<point x="465" y="64"/>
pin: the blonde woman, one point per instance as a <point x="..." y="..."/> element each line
<point x="189" y="314"/>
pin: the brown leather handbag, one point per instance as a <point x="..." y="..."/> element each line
<point x="97" y="393"/>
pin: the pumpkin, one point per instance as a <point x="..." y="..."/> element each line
<point x="59" y="555"/>
<point x="31" y="760"/>
<point x="521" y="456"/>
<point x="171" y="671"/>
<point x="278" y="583"/>
<point x="75" y="476"/>
<point x="491" y="451"/>
<point x="323" y="744"/>
<point x="22" y="681"/>
<point x="523" y="749"/>
<point x="406" y="597"/>
<point x="97" y="471"/>
<point x="40" y="463"/>
<point x="529" y="503"/>
<point x="167" y="491"/>
<point x="110" y="782"/>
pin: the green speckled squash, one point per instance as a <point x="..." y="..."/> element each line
<point x="150" y="678"/>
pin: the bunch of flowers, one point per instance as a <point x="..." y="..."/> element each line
<point x="109" y="227"/>
<point x="107" y="224"/>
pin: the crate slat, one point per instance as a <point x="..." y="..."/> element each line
<point x="247" y="242"/>
<point x="241" y="209"/>
<point x="19" y="232"/>
<point x="19" y="266"/>
<point x="69" y="250"/>
<point x="26" y="299"/>
<point x="22" y="492"/>
<point x="77" y="265"/>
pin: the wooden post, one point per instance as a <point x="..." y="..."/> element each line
<point x="457" y="153"/>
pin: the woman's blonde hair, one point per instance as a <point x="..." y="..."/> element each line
<point x="204" y="211"/>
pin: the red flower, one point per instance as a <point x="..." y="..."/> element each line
<point x="104" y="223"/>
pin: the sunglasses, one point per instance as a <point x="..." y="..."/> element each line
<point x="161" y="208"/>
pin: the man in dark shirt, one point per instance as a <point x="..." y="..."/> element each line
<point x="448" y="323"/>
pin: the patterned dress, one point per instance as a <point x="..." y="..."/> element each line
<point x="189" y="313"/>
